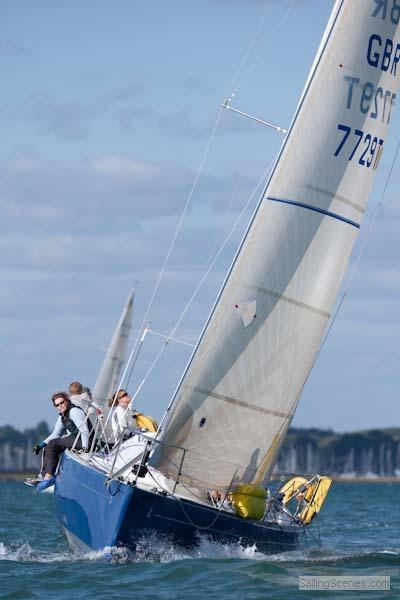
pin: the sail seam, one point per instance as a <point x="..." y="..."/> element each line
<point x="322" y="211"/>
<point x="334" y="196"/>
<point x="310" y="80"/>
<point x="292" y="301"/>
<point x="274" y="413"/>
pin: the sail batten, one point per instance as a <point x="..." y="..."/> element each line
<point x="290" y="264"/>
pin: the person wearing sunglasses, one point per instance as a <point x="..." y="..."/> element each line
<point x="71" y="423"/>
<point x="122" y="421"/>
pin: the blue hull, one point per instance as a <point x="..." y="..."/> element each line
<point x="95" y="515"/>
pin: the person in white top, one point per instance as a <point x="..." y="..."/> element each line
<point x="123" y="420"/>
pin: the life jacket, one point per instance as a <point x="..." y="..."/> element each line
<point x="145" y="422"/>
<point x="68" y="422"/>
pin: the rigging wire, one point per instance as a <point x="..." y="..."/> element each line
<point x="169" y="338"/>
<point x="227" y="238"/>
<point x="153" y="364"/>
<point x="368" y="233"/>
<point x="269" y="39"/>
<point x="173" y="330"/>
<point x="137" y="354"/>
<point x="228" y="211"/>
<point x="171" y="246"/>
<point x="200" y="169"/>
<point x="352" y="274"/>
<point x="234" y="83"/>
<point x="260" y="183"/>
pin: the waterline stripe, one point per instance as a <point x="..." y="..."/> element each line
<point x="315" y="209"/>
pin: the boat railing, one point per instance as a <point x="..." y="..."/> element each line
<point x="141" y="459"/>
<point x="97" y="432"/>
<point x="138" y="465"/>
<point x="275" y="511"/>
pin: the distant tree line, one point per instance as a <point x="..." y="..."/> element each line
<point x="372" y="453"/>
<point x="16" y="448"/>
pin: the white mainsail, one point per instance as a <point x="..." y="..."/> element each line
<point x="108" y="378"/>
<point x="239" y="392"/>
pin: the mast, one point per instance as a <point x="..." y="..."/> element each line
<point x="237" y="397"/>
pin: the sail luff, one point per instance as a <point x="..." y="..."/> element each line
<point x="240" y="390"/>
<point x="169" y="411"/>
<point x="107" y="378"/>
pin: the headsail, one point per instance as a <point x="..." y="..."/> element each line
<point x="107" y="379"/>
<point x="239" y="392"/>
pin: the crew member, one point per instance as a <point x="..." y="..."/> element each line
<point x="122" y="421"/>
<point x="81" y="396"/>
<point x="126" y="421"/>
<point x="70" y="430"/>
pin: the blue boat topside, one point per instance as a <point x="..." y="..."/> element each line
<point x="97" y="515"/>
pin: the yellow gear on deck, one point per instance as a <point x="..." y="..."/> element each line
<point x="315" y="496"/>
<point x="145" y="422"/>
<point x="249" y="501"/>
<point x="291" y="488"/>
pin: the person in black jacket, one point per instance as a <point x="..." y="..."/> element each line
<point x="70" y="430"/>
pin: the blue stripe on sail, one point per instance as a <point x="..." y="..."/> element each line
<point x="315" y="209"/>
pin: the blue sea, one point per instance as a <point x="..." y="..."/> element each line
<point x="359" y="527"/>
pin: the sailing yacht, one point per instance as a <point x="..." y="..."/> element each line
<point x="207" y="468"/>
<point x="108" y="377"/>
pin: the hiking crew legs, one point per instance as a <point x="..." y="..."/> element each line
<point x="53" y="450"/>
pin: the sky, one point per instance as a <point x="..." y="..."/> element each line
<point x="106" y="113"/>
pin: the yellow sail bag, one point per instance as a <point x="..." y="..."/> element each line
<point x="249" y="501"/>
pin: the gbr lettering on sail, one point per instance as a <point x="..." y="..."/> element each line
<point x="371" y="100"/>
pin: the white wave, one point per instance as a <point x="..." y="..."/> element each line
<point x="152" y="549"/>
<point x="25" y="553"/>
<point x="162" y="549"/>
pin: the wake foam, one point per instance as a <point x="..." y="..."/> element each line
<point x="156" y="549"/>
<point x="25" y="553"/>
<point x="153" y="548"/>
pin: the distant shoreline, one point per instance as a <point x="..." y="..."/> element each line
<point x="16" y="476"/>
<point x="344" y="479"/>
<point x="20" y="476"/>
<point x="366" y="479"/>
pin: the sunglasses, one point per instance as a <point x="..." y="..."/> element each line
<point x="123" y="395"/>
<point x="59" y="403"/>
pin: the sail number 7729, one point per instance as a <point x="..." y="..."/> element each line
<point x="360" y="146"/>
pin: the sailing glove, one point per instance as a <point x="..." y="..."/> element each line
<point x="36" y="449"/>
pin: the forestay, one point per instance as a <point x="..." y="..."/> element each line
<point x="237" y="397"/>
<point x="108" y="377"/>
